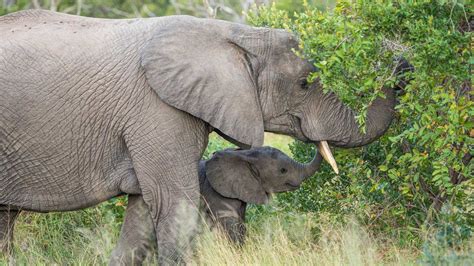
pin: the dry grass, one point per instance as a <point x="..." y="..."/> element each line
<point x="275" y="242"/>
<point x="87" y="238"/>
<point x="292" y="239"/>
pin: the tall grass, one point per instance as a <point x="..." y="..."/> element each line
<point x="278" y="242"/>
<point x="88" y="237"/>
<point x="79" y="238"/>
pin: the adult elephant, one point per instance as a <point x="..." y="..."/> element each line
<point x="89" y="105"/>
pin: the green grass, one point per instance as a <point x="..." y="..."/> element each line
<point x="81" y="238"/>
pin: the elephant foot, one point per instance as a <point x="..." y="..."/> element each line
<point x="175" y="238"/>
<point x="168" y="254"/>
<point x="129" y="256"/>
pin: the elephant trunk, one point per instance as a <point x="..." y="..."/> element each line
<point x="327" y="119"/>
<point x="308" y="169"/>
<point x="379" y="116"/>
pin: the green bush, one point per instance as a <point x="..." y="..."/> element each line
<point x="400" y="183"/>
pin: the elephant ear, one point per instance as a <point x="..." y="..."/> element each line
<point x="197" y="66"/>
<point x="232" y="175"/>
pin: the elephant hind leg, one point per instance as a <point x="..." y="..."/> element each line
<point x="7" y="221"/>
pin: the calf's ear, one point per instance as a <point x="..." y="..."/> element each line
<point x="232" y="175"/>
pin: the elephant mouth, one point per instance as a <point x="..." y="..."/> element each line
<point x="323" y="146"/>
<point x="291" y="186"/>
<point x="268" y="197"/>
<point x="298" y="128"/>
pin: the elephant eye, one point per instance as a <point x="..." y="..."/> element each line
<point x="304" y="83"/>
<point x="283" y="170"/>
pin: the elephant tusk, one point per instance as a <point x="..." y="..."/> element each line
<point x="323" y="148"/>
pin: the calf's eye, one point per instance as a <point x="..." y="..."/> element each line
<point x="283" y="170"/>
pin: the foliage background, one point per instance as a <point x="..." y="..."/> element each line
<point x="413" y="187"/>
<point x="420" y="172"/>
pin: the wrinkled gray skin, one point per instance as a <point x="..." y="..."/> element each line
<point x="88" y="106"/>
<point x="228" y="181"/>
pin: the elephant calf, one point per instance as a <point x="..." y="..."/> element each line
<point x="228" y="181"/>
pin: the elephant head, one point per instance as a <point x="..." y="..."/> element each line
<point x="233" y="177"/>
<point x="245" y="80"/>
<point x="252" y="175"/>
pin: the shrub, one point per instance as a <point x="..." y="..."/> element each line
<point x="404" y="179"/>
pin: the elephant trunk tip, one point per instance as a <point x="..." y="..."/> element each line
<point x="312" y="167"/>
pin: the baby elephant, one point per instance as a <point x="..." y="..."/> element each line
<point x="228" y="181"/>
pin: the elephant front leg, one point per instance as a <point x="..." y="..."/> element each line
<point x="177" y="225"/>
<point x="166" y="146"/>
<point x="7" y="221"/>
<point x="137" y="237"/>
<point x="170" y="189"/>
<point x="174" y="211"/>
<point x="234" y="229"/>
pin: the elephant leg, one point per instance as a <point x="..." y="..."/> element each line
<point x="174" y="216"/>
<point x="234" y="229"/>
<point x="177" y="224"/>
<point x="170" y="189"/>
<point x="7" y="221"/>
<point x="166" y="146"/>
<point x="137" y="237"/>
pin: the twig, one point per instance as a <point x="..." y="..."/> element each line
<point x="53" y="6"/>
<point x="394" y="46"/>
<point x="79" y="7"/>
<point x="135" y="10"/>
<point x="148" y="11"/>
<point x="36" y="4"/>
